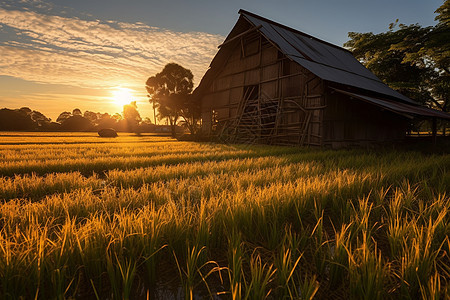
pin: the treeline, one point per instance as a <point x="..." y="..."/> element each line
<point x="25" y="119"/>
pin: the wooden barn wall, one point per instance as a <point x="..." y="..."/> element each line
<point x="351" y="121"/>
<point x="255" y="61"/>
<point x="305" y="115"/>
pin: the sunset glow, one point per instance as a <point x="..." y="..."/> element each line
<point x="56" y="59"/>
<point x="61" y="55"/>
<point x="122" y="96"/>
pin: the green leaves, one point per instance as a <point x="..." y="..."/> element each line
<point x="411" y="59"/>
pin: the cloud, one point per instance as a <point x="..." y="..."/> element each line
<point x="95" y="53"/>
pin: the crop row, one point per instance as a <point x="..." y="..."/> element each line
<point x="432" y="169"/>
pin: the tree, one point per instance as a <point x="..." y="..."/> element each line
<point x="431" y="49"/>
<point x="377" y="53"/>
<point x="170" y="92"/>
<point x="191" y="114"/>
<point x="63" y="116"/>
<point x="25" y="110"/>
<point x="131" y="116"/>
<point x="76" y="123"/>
<point x="439" y="44"/>
<point x="39" y="119"/>
<point x="107" y="121"/>
<point x="15" y="120"/>
<point x="412" y="59"/>
<point x="91" y="116"/>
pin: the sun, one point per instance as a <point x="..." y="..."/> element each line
<point x="122" y="96"/>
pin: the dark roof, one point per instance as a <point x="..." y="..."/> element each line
<point x="325" y="60"/>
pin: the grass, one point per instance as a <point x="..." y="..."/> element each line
<point x="150" y="217"/>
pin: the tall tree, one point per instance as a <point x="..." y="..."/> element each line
<point x="412" y="59"/>
<point x="378" y="54"/>
<point x="431" y="49"/>
<point x="439" y="45"/>
<point x="170" y="92"/>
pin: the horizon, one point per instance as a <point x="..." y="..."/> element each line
<point x="58" y="57"/>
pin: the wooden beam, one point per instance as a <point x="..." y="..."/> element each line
<point x="239" y="35"/>
<point x="434" y="131"/>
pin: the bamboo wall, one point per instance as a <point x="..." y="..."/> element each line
<point x="261" y="96"/>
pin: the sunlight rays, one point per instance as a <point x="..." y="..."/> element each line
<point x="122" y="96"/>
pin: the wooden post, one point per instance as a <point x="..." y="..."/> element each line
<point x="434" y="131"/>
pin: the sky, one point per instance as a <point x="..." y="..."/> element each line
<point x="58" y="55"/>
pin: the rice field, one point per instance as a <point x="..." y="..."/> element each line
<point x="149" y="217"/>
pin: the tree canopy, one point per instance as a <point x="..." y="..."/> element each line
<point x="23" y="119"/>
<point x="18" y="119"/>
<point x="411" y="59"/>
<point x="170" y="92"/>
<point x="131" y="116"/>
<point x="76" y="122"/>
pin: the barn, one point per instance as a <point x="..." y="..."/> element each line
<point x="272" y="84"/>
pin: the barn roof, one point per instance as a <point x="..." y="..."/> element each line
<point x="327" y="61"/>
<point x="398" y="107"/>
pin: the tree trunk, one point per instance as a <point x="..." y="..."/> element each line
<point x="172" y="127"/>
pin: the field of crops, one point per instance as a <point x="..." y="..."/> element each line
<point x="140" y="217"/>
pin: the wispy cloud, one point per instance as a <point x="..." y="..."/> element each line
<point x="49" y="48"/>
